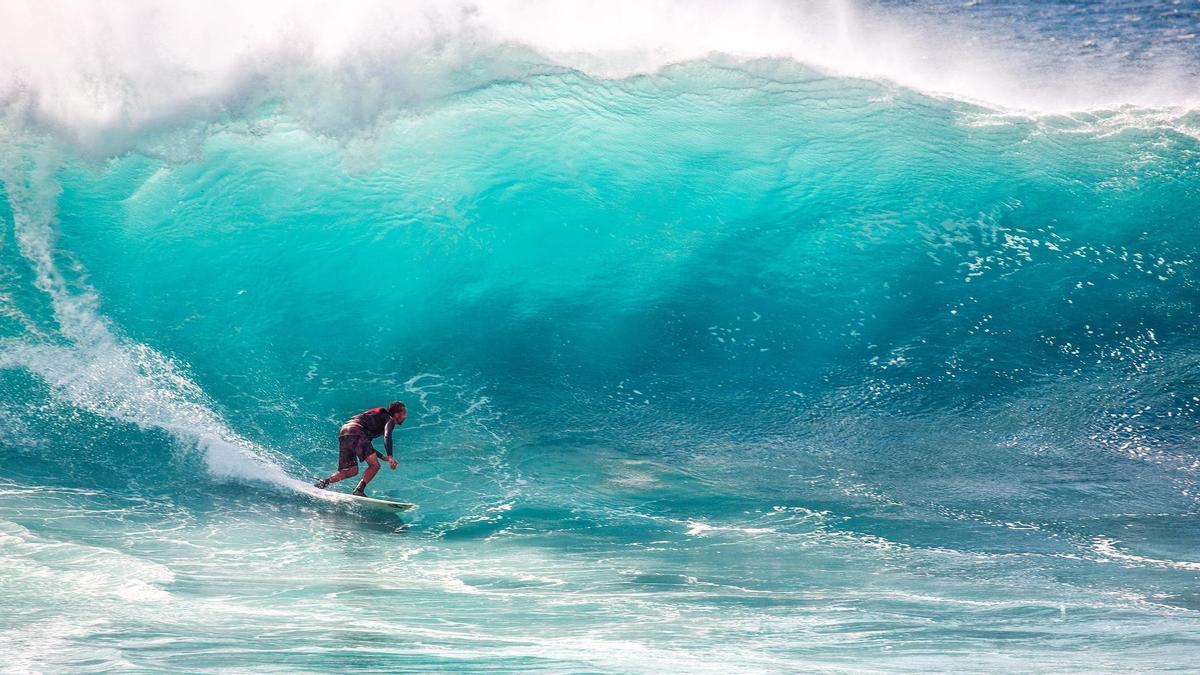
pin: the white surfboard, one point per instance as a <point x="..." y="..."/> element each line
<point x="367" y="502"/>
<point x="385" y="504"/>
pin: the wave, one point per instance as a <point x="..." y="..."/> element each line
<point x="753" y="261"/>
<point x="813" y="336"/>
<point x="130" y="67"/>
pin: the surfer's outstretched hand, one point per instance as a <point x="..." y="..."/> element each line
<point x="392" y="462"/>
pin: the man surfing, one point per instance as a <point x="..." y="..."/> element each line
<point x="354" y="444"/>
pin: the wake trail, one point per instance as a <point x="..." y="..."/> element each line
<point x="96" y="369"/>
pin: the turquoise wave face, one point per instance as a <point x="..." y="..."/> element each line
<point x="729" y="341"/>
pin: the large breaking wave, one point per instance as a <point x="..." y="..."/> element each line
<point x="631" y="269"/>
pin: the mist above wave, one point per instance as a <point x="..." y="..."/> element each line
<point x="101" y="74"/>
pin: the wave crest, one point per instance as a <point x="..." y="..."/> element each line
<point x="131" y="66"/>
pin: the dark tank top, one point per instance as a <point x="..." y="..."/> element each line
<point x="372" y="421"/>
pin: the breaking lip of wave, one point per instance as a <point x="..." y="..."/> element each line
<point x="131" y="66"/>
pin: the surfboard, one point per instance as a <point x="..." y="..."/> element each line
<point x="352" y="500"/>
<point x="385" y="504"/>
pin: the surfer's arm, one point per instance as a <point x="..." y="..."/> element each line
<point x="387" y="442"/>
<point x="387" y="436"/>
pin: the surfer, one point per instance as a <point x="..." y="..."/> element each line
<point x="354" y="444"/>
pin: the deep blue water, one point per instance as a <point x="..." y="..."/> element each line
<point x="741" y="362"/>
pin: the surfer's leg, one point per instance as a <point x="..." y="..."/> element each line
<point x="348" y="447"/>
<point x="372" y="469"/>
<point x="343" y="474"/>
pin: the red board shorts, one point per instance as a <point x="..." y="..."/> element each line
<point x="353" y="446"/>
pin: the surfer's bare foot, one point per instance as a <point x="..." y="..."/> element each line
<point x="321" y="484"/>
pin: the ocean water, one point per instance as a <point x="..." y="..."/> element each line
<point x="746" y="337"/>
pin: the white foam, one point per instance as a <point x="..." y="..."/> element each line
<point x="1108" y="548"/>
<point x="102" y="71"/>
<point x="96" y="572"/>
<point x="697" y="528"/>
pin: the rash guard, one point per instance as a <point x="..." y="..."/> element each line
<point x="374" y="423"/>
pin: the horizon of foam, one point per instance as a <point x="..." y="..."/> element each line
<point x="102" y="74"/>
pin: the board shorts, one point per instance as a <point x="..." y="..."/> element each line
<point x="353" y="446"/>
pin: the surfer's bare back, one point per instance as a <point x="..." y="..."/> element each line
<point x="354" y="444"/>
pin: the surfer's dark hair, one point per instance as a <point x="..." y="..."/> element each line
<point x="396" y="407"/>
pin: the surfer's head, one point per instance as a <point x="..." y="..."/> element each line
<point x="397" y="411"/>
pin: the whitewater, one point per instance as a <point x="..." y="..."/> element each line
<point x="735" y="337"/>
